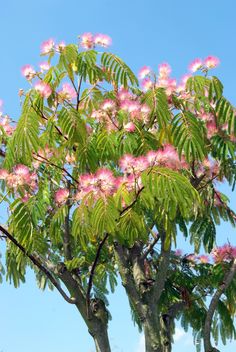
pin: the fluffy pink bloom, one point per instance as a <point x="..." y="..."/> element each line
<point x="126" y="163"/>
<point x="108" y="104"/>
<point x="60" y="46"/>
<point x="28" y="71"/>
<point x="43" y="88"/>
<point x="3" y="174"/>
<point x="203" y="258"/>
<point x="152" y="157"/>
<point x="164" y="70"/>
<point x="144" y="71"/>
<point x="185" y="78"/>
<point x="178" y="252"/>
<point x="102" y="40"/>
<point x="129" y="127"/>
<point x="224" y="253"/>
<point x="105" y="180"/>
<point x="123" y="94"/>
<point x="67" y="92"/>
<point x="21" y="170"/>
<point x="61" y="195"/>
<point x="47" y="46"/>
<point x="1" y="104"/>
<point x="44" y="66"/>
<point x="195" y="65"/>
<point x="211" y="62"/>
<point x="147" y="84"/>
<point x="87" y="41"/>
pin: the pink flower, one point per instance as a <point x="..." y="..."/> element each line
<point x="61" y="196"/>
<point x="105" y="181"/>
<point x="44" y="66"/>
<point x="87" y="41"/>
<point x="21" y="170"/>
<point x="147" y="84"/>
<point x="3" y="174"/>
<point x="60" y="46"/>
<point x="224" y="253"/>
<point x="28" y="72"/>
<point x="211" y="62"/>
<point x="164" y="70"/>
<point x="152" y="157"/>
<point x="102" y="40"/>
<point x="1" y="104"/>
<point x="203" y="258"/>
<point x="108" y="104"/>
<point x="195" y="65"/>
<point x="129" y="127"/>
<point x="127" y="163"/>
<point x="185" y="78"/>
<point x="47" y="46"/>
<point x="43" y="89"/>
<point x="178" y="252"/>
<point x="124" y="94"/>
<point x="145" y="71"/>
<point x="67" y="92"/>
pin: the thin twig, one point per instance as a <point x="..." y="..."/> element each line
<point x="39" y="265"/>
<point x="90" y="283"/>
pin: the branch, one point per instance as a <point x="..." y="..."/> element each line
<point x="90" y="283"/>
<point x="150" y="247"/>
<point x="37" y="263"/>
<point x="162" y="268"/>
<point x="228" y="277"/>
<point x="57" y="166"/>
<point x="134" y="201"/>
<point x="66" y="239"/>
<point x="78" y="93"/>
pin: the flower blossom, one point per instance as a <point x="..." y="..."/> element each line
<point x="28" y="72"/>
<point x="67" y="92"/>
<point x="43" y="88"/>
<point x="44" y="66"/>
<point x="87" y="41"/>
<point x="61" y="196"/>
<point x="164" y="70"/>
<point x="144" y="71"/>
<point x="47" y="46"/>
<point x="129" y="127"/>
<point x="224" y="253"/>
<point x="195" y="65"/>
<point x="102" y="40"/>
<point x="211" y="62"/>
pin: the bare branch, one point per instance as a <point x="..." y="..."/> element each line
<point x="90" y="283"/>
<point x="40" y="266"/>
<point x="228" y="277"/>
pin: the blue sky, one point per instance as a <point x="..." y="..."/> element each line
<point x="144" y="33"/>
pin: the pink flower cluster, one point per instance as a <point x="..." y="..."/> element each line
<point x="166" y="157"/>
<point x="61" y="196"/>
<point x="88" y="40"/>
<point x="101" y="184"/>
<point x="20" y="177"/>
<point x="43" y="89"/>
<point x="107" y="114"/>
<point x="67" y="92"/>
<point x="208" y="63"/>
<point x="50" y="46"/>
<point x="224" y="253"/>
<point x="5" y="125"/>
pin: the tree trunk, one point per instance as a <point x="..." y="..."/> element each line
<point x="101" y="340"/>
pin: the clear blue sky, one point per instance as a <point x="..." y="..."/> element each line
<point x="144" y="33"/>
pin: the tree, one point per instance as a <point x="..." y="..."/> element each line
<point x="101" y="176"/>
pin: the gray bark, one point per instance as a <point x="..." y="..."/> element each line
<point x="212" y="307"/>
